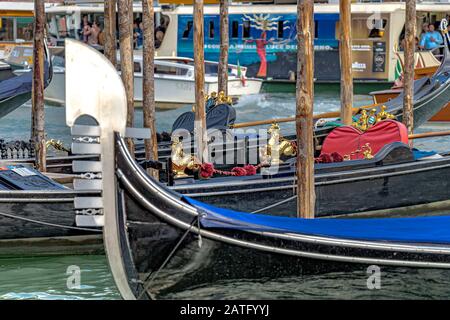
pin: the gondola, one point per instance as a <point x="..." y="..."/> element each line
<point x="431" y="94"/>
<point x="384" y="178"/>
<point x="15" y="91"/>
<point x="159" y="241"/>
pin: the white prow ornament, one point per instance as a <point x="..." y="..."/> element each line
<point x="94" y="88"/>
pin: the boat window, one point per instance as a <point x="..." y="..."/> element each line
<point x="170" y="70"/>
<point x="187" y="30"/>
<point x="246" y="29"/>
<point x="137" y="67"/>
<point x="25" y="28"/>
<point x="280" y="29"/>
<point x="7" y="29"/>
<point x="14" y="28"/>
<point x="211" y="29"/>
<point x="361" y="31"/>
<point x="235" y="29"/>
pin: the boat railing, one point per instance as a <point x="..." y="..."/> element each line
<point x="18" y="149"/>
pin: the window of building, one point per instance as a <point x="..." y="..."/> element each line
<point x="280" y="32"/>
<point x="235" y="29"/>
<point x="246" y="29"/>
<point x="187" y="30"/>
<point x="211" y="29"/>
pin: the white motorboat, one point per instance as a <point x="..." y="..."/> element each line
<point x="174" y="81"/>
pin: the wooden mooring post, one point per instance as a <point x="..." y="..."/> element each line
<point x="148" y="90"/>
<point x="199" y="64"/>
<point x="304" y="109"/>
<point x="110" y="31"/>
<point x="345" y="50"/>
<point x="37" y="100"/>
<point x="125" y="10"/>
<point x="408" y="72"/>
<point x="224" y="43"/>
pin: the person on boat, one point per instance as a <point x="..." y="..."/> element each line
<point x="432" y="39"/>
<point x="425" y="28"/>
<point x="94" y="33"/>
<point x="140" y="36"/>
<point x="85" y="29"/>
<point x="160" y="31"/>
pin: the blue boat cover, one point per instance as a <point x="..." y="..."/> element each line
<point x="431" y="230"/>
<point x="20" y="84"/>
<point x="19" y="177"/>
<point x="418" y="154"/>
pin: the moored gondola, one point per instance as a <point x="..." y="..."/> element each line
<point x="16" y="90"/>
<point x="159" y="241"/>
<point x="431" y="94"/>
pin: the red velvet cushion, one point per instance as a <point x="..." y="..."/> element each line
<point x="347" y="139"/>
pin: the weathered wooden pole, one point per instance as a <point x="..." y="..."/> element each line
<point x="224" y="43"/>
<point x="408" y="72"/>
<point x="37" y="100"/>
<point x="148" y="90"/>
<point x="345" y="49"/>
<point x="199" y="62"/>
<point x="110" y="31"/>
<point x="304" y="110"/>
<point x="125" y="8"/>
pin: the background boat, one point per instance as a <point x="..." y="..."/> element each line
<point x="174" y="80"/>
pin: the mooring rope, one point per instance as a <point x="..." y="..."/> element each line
<point x="148" y="281"/>
<point x="276" y="204"/>
<point x="47" y="223"/>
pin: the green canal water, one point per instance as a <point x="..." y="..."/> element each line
<point x="51" y="277"/>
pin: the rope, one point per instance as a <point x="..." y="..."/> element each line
<point x="276" y="204"/>
<point x="148" y="281"/>
<point x="47" y="223"/>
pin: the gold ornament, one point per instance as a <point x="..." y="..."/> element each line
<point x="383" y="114"/>
<point x="181" y="161"/>
<point x="276" y="147"/>
<point x="367" y="151"/>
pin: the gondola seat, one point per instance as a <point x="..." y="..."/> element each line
<point x="219" y="117"/>
<point x="346" y="140"/>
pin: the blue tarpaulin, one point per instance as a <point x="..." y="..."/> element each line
<point x="433" y="230"/>
<point x="18" y="85"/>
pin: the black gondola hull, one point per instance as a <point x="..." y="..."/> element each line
<point x="156" y="222"/>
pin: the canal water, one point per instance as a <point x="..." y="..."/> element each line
<point x="52" y="277"/>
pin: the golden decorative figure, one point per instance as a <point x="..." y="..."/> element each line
<point x="229" y="101"/>
<point x="221" y="98"/>
<point x="367" y="151"/>
<point x="286" y="148"/>
<point x="276" y="146"/>
<point x="362" y="122"/>
<point x="383" y="114"/>
<point x="181" y="161"/>
<point x="270" y="153"/>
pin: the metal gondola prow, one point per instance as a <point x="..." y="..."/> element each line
<point x="102" y="97"/>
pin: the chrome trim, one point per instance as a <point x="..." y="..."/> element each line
<point x="215" y="236"/>
<point x="323" y="240"/>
